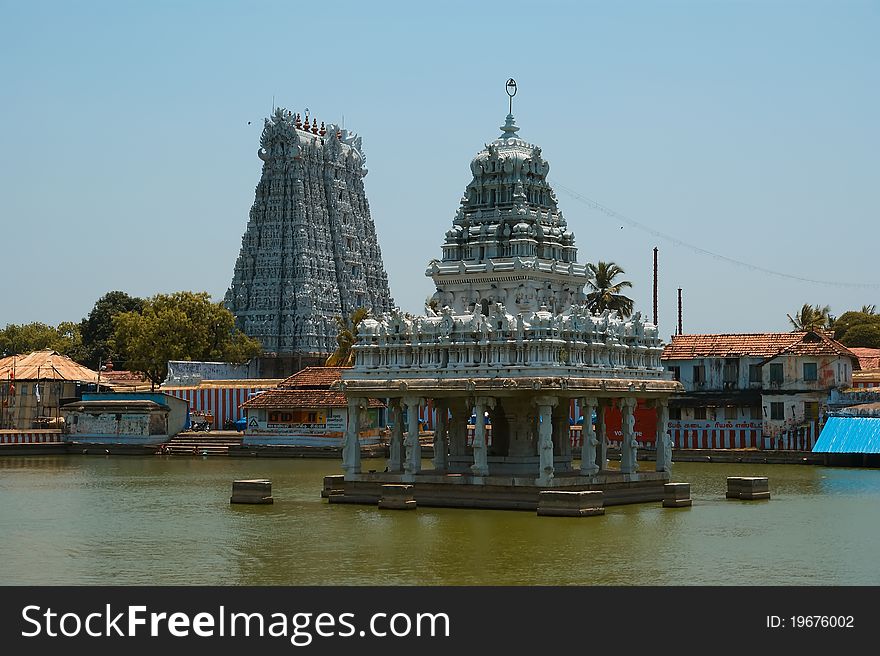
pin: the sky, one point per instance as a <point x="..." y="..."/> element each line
<point x="739" y="138"/>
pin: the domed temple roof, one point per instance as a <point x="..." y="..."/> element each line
<point x="509" y="190"/>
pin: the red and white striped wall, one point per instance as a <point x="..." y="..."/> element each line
<point x="716" y="438"/>
<point x="31" y="437"/>
<point x="221" y="402"/>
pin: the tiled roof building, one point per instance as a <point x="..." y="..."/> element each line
<point x="755" y="389"/>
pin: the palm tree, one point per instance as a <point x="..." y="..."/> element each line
<point x="869" y="309"/>
<point x="604" y="293"/>
<point x="811" y="317"/>
<point x="346" y="337"/>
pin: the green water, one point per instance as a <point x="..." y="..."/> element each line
<point x="168" y="520"/>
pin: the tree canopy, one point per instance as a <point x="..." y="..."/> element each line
<point x="858" y="329"/>
<point x="16" y="339"/>
<point x="97" y="328"/>
<point x="811" y="317"/>
<point x="343" y="356"/>
<point x="178" y="326"/>
<point x="604" y="293"/>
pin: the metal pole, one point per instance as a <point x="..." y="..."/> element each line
<point x="655" y="285"/>
<point x="679" y="311"/>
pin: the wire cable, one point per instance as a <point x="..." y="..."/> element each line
<point x="703" y="251"/>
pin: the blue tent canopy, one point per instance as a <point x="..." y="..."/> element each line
<point x="849" y="435"/>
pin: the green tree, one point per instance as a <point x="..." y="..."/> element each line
<point x="604" y="293"/>
<point x="97" y="328"/>
<point x="179" y="326"/>
<point x="811" y="317"/>
<point x="857" y="328"/>
<point x="865" y="335"/>
<point x="346" y="337"/>
<point x="18" y="339"/>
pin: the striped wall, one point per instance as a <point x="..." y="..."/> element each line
<point x="222" y="402"/>
<point x="31" y="437"/>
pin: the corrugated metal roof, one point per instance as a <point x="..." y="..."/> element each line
<point x="849" y="435"/>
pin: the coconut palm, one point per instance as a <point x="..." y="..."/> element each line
<point x="346" y="337"/>
<point x="604" y="292"/>
<point x="811" y="317"/>
<point x="869" y="309"/>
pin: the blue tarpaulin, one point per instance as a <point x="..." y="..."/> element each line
<point x="849" y="435"/>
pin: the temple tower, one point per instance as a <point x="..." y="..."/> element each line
<point x="310" y="251"/>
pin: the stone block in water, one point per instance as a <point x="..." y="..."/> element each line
<point x="252" y="491"/>
<point x="334" y="482"/>
<point x="677" y="495"/>
<point x="748" y="487"/>
<point x="565" y="503"/>
<point x="397" y="497"/>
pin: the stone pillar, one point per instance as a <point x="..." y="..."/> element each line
<point x="601" y="435"/>
<point x="413" y="462"/>
<point x="545" y="438"/>
<point x="588" y="437"/>
<point x="395" y="460"/>
<point x="628" y="464"/>
<point x="351" y="443"/>
<point x="664" y="442"/>
<point x="457" y="429"/>
<point x="441" y="427"/>
<point x="481" y="460"/>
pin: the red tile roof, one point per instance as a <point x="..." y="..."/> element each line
<point x="756" y="345"/>
<point x="308" y="388"/>
<point x="313" y="378"/>
<point x="284" y="399"/>
<point x="869" y="358"/>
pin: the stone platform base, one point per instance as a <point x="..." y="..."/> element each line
<point x="252" y="491"/>
<point x="495" y="492"/>
<point x="397" y="497"/>
<point x="677" y="495"/>
<point x="749" y="488"/>
<point x="562" y="503"/>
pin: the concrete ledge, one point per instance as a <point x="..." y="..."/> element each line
<point x="397" y="497"/>
<point x="677" y="495"/>
<point x="559" y="503"/>
<point x="252" y="491"/>
<point x="748" y="488"/>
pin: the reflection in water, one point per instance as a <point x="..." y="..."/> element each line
<point x="168" y="520"/>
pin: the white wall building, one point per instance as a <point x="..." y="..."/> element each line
<point x="766" y="390"/>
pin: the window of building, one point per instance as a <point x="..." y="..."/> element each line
<point x="811" y="410"/>
<point x="699" y="373"/>
<point x="754" y="373"/>
<point x="730" y="412"/>
<point x="731" y="370"/>
<point x="700" y="413"/>
<point x="676" y="372"/>
<point x="675" y="413"/>
<point x="777" y="410"/>
<point x="755" y="412"/>
<point x="810" y="371"/>
<point x="775" y="373"/>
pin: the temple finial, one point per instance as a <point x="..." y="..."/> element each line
<point x="510" y="87"/>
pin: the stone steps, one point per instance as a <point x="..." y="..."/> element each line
<point x="189" y="444"/>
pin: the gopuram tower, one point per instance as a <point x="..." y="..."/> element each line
<point x="508" y="336"/>
<point x="310" y="251"/>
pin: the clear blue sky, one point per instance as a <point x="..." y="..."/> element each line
<point x="748" y="129"/>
